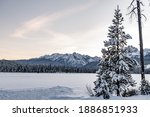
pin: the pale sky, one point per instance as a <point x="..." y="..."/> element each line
<point x="32" y="28"/>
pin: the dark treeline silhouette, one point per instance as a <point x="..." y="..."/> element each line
<point x="9" y="66"/>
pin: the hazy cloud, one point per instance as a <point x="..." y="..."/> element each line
<point x="39" y="22"/>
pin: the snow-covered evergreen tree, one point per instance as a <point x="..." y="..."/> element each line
<point x="103" y="83"/>
<point x="114" y="69"/>
<point x="145" y="87"/>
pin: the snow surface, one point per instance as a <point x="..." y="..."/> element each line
<point x="147" y="66"/>
<point x="52" y="86"/>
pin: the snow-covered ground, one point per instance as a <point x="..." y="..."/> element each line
<point x="52" y="86"/>
<point x="147" y="66"/>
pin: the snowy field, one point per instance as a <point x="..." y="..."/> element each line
<point x="52" y="86"/>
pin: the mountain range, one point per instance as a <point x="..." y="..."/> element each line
<point x="74" y="60"/>
<point x="56" y="59"/>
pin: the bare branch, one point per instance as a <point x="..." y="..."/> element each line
<point x="142" y="3"/>
<point x="133" y="14"/>
<point x="133" y="10"/>
<point x="91" y="93"/>
<point x="144" y="17"/>
<point x="131" y="4"/>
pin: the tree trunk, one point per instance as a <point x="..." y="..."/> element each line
<point x="118" y="49"/>
<point x="118" y="86"/>
<point x="140" y="40"/>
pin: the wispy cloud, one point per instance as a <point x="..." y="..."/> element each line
<point x="40" y="22"/>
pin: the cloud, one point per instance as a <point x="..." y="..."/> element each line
<point x="46" y="40"/>
<point x="39" y="22"/>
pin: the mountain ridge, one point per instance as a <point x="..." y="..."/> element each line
<point x="57" y="59"/>
<point x="57" y="62"/>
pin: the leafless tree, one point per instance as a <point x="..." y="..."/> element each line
<point x="135" y="9"/>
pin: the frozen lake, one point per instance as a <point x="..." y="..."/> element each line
<point x="44" y="80"/>
<point x="35" y="85"/>
<point x="47" y="80"/>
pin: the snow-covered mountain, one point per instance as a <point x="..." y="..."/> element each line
<point x="73" y="60"/>
<point x="136" y="53"/>
<point x="53" y="63"/>
<point x="62" y="62"/>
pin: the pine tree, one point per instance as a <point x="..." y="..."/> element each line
<point x="103" y="83"/>
<point x="145" y="87"/>
<point x="114" y="69"/>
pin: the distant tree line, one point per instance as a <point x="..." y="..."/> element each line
<point x="7" y="66"/>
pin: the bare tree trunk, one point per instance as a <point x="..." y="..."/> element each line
<point x="141" y="40"/>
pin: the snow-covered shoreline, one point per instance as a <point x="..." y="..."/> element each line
<point x="57" y="93"/>
<point x="59" y="86"/>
